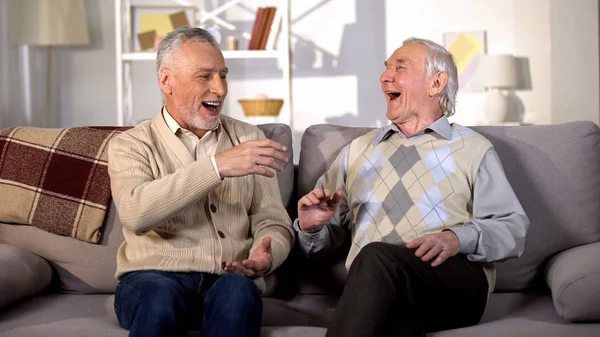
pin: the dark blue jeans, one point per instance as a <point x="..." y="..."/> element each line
<point x="159" y="303"/>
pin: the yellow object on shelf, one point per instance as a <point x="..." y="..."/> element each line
<point x="261" y="107"/>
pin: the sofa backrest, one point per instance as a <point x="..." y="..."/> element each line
<point x="282" y="133"/>
<point x="90" y="268"/>
<point x="554" y="170"/>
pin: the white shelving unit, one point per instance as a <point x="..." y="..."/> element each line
<point x="125" y="55"/>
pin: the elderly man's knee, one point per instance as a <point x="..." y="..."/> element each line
<point x="380" y="250"/>
<point x="236" y="289"/>
<point x="233" y="299"/>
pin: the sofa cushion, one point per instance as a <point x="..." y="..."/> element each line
<point x="81" y="267"/>
<point x="554" y="170"/>
<point x="56" y="179"/>
<point x="574" y="279"/>
<point x="23" y="274"/>
<point x="67" y="315"/>
<point x="524" y="315"/>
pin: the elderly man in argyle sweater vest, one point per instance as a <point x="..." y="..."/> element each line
<point x="425" y="204"/>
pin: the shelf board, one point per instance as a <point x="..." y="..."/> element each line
<point x="228" y="54"/>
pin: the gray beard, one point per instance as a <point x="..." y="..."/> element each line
<point x="203" y="123"/>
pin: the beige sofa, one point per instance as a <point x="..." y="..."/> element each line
<point x="53" y="285"/>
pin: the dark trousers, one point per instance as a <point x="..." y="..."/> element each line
<point x="158" y="303"/>
<point x="391" y="292"/>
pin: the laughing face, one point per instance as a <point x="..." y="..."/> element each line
<point x="405" y="83"/>
<point x="196" y="87"/>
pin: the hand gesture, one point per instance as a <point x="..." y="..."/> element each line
<point x="443" y="245"/>
<point x="251" y="157"/>
<point x="257" y="264"/>
<point x="316" y="209"/>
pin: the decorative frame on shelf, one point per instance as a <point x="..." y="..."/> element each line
<point x="150" y="24"/>
<point x="468" y="49"/>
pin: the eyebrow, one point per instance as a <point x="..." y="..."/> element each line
<point x="401" y="61"/>
<point x="211" y="70"/>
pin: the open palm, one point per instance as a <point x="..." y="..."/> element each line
<point x="257" y="264"/>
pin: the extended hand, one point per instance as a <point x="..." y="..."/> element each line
<point x="251" y="157"/>
<point x="443" y="245"/>
<point x="257" y="264"/>
<point x="316" y="209"/>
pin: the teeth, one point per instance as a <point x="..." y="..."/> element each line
<point x="213" y="103"/>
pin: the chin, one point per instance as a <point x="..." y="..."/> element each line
<point x="392" y="115"/>
<point x="206" y="123"/>
<point x="396" y="117"/>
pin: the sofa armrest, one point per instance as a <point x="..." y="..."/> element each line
<point x="23" y="274"/>
<point x="574" y="280"/>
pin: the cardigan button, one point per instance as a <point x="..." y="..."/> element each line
<point x="221" y="234"/>
<point x="213" y="208"/>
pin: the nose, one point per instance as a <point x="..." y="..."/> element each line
<point x="218" y="86"/>
<point x="386" y="76"/>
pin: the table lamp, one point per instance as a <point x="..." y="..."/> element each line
<point x="51" y="23"/>
<point x="499" y="73"/>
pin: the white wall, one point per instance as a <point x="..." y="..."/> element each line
<point x="82" y="81"/>
<point x="574" y="55"/>
<point x="87" y="94"/>
<point x="516" y="27"/>
<point x="339" y="47"/>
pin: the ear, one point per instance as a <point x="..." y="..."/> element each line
<point x="165" y="79"/>
<point x="438" y="82"/>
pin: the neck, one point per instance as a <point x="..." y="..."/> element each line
<point x="417" y="123"/>
<point x="198" y="132"/>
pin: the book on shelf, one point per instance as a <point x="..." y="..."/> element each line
<point x="265" y="29"/>
<point x="255" y="36"/>
<point x="275" y="31"/>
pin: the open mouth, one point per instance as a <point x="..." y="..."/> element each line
<point x="212" y="106"/>
<point x="393" y="95"/>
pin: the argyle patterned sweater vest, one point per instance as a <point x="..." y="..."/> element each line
<point x="401" y="189"/>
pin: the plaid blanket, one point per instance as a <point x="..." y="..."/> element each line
<point x="56" y="179"/>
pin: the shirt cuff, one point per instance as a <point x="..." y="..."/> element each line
<point x="215" y="167"/>
<point x="468" y="237"/>
<point x="312" y="237"/>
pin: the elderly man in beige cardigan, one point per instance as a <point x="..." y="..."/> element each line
<point x="200" y="205"/>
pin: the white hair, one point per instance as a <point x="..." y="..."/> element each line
<point x="440" y="60"/>
<point x="170" y="44"/>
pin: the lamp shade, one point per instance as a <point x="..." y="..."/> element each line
<point x="499" y="71"/>
<point x="51" y="23"/>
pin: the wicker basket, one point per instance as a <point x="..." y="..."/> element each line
<point x="261" y="107"/>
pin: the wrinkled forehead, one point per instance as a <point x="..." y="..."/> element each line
<point x="198" y="54"/>
<point x="410" y="53"/>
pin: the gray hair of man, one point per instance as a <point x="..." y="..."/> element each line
<point x="169" y="46"/>
<point x="440" y="60"/>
